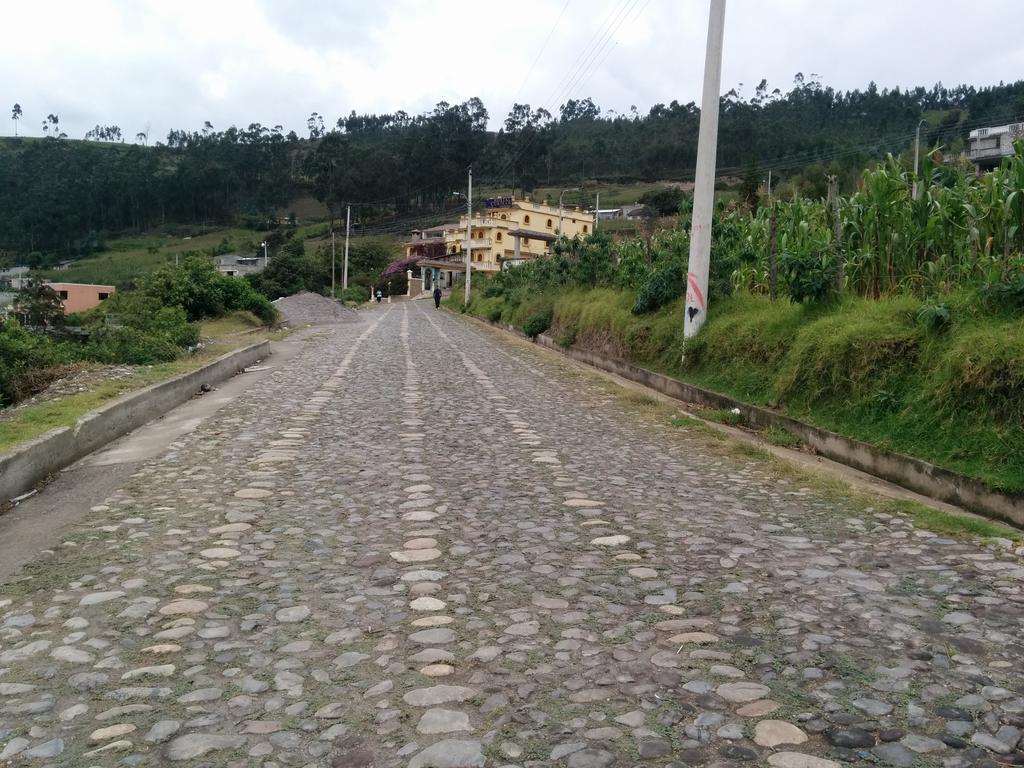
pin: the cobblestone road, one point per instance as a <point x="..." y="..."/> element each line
<point x="420" y="545"/>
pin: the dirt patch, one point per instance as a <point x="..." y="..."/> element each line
<point x="306" y="307"/>
<point x="64" y="380"/>
<point x="601" y="341"/>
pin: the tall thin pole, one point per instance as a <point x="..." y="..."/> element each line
<point x="704" y="180"/>
<point x="344" y="267"/>
<point x="332" y="263"/>
<point x="469" y="230"/>
<point x="917" y="153"/>
<point x="560" y="212"/>
<point x="769" y="184"/>
<point x="597" y="209"/>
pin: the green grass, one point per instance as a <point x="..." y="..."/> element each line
<point x="780" y="437"/>
<point x="26" y="423"/>
<point x="229" y="325"/>
<point x="127" y="259"/>
<point x="865" y="369"/>
<point x="34" y="420"/>
<point x="685" y="421"/>
<point x="724" y="416"/>
<point x="953" y="525"/>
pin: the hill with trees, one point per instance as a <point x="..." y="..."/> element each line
<point x="62" y="197"/>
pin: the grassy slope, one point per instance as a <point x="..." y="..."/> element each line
<point x="128" y="259"/>
<point x="864" y="369"/>
<point x="31" y="421"/>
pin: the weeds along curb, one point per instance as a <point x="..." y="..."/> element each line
<point x="25" y="466"/>
<point x="906" y="471"/>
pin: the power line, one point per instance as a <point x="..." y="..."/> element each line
<point x="540" y="52"/>
<point x="587" y="64"/>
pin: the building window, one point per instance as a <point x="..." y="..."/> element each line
<point x="526" y="219"/>
<point x="498" y="237"/>
<point x="62" y="294"/>
<point x="549" y="223"/>
<point x="584" y="229"/>
<point x="504" y="216"/>
<point x="104" y="295"/>
<point x="526" y="241"/>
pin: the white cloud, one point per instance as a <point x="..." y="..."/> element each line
<point x="176" y="65"/>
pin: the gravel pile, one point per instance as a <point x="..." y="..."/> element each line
<point x="307" y="307"/>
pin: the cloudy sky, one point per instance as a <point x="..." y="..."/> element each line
<point x="160" y="65"/>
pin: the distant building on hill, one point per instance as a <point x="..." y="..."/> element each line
<point x="505" y="232"/>
<point x="13" y="278"/>
<point x="78" y="297"/>
<point x="988" y="146"/>
<point x="238" y="266"/>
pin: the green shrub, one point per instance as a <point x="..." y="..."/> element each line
<point x="568" y="336"/>
<point x="538" y="323"/>
<point x="665" y="202"/>
<point x="983" y="369"/>
<point x="492" y="289"/>
<point x="198" y="288"/>
<point x="22" y="351"/>
<point x="354" y="294"/>
<point x="131" y="346"/>
<point x="664" y="286"/>
<point x="934" y="317"/>
<point x="808" y="276"/>
<point x="1005" y="293"/>
<point x="853" y="351"/>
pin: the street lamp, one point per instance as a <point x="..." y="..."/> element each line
<point x="574" y="189"/>
<point x="265" y="257"/>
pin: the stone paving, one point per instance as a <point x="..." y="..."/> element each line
<point x="420" y="545"/>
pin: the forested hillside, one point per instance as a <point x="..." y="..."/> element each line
<point x="60" y="197"/>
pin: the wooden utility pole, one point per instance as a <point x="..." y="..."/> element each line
<point x="773" y="262"/>
<point x="837" y="230"/>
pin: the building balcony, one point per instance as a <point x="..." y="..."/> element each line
<point x="985" y="153"/>
<point x="484" y="221"/>
<point x="989" y="157"/>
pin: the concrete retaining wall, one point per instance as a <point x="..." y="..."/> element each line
<point x="906" y="471"/>
<point x="23" y="467"/>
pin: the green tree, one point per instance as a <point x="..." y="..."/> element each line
<point x="16" y="116"/>
<point x="38" y="305"/>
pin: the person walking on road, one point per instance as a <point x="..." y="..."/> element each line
<point x="379" y="296"/>
<point x="437" y="297"/>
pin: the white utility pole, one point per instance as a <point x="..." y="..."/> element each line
<point x="917" y="153"/>
<point x="704" y="180"/>
<point x="332" y="264"/>
<point x="469" y="230"/>
<point x="266" y="258"/>
<point x="597" y="209"/>
<point x="344" y="268"/>
<point x="769" y="183"/>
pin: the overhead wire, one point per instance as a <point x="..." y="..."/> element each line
<point x="582" y="66"/>
<point x="536" y="58"/>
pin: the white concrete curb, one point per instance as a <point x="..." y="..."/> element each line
<point x="25" y="466"/>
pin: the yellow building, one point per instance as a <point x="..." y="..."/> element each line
<point x="504" y="233"/>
